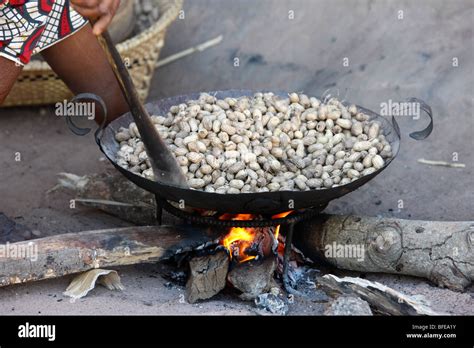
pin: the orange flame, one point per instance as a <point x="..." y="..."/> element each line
<point x="228" y="216"/>
<point x="278" y="216"/>
<point x="239" y="238"/>
<point x="244" y="237"/>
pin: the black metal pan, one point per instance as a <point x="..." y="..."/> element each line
<point x="257" y="203"/>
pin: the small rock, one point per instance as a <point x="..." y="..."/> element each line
<point x="348" y="305"/>
<point x="253" y="278"/>
<point x="271" y="303"/>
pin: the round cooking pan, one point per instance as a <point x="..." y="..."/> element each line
<point x="257" y="203"/>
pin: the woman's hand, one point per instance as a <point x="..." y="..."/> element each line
<point x="101" y="11"/>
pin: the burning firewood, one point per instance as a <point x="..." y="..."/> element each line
<point x="207" y="277"/>
<point x="436" y="250"/>
<point x="64" y="254"/>
<point x="252" y="251"/>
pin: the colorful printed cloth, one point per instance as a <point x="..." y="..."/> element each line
<point x="29" y="26"/>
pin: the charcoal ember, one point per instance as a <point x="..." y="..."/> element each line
<point x="264" y="244"/>
<point x="271" y="303"/>
<point x="178" y="277"/>
<point x="348" y="305"/>
<point x="253" y="278"/>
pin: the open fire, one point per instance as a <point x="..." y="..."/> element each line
<point x="246" y="243"/>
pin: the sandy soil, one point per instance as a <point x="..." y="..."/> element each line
<point x="389" y="59"/>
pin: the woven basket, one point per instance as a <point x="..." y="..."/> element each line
<point x="39" y="85"/>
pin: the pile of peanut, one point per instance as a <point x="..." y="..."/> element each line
<point x="263" y="143"/>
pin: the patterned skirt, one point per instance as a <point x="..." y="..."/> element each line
<point x="29" y="26"/>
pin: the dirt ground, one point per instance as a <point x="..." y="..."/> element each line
<point x="389" y="58"/>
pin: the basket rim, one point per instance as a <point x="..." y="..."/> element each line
<point x="172" y="8"/>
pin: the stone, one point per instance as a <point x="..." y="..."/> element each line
<point x="348" y="305"/>
<point x="253" y="277"/>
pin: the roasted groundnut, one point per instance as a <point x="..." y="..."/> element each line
<point x="263" y="143"/>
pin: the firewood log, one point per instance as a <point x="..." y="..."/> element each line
<point x="70" y="253"/>
<point x="436" y="250"/>
<point x="207" y="277"/>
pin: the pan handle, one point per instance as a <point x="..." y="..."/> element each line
<point x="83" y="131"/>
<point x="424" y="133"/>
